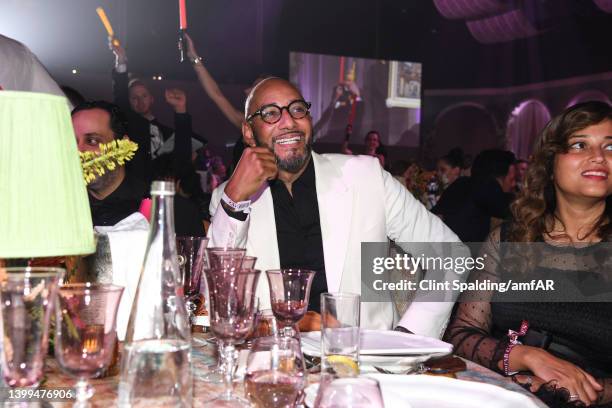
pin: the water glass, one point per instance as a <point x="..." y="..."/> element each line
<point x="340" y="314"/>
<point x="358" y="392"/>
<point x="26" y="299"/>
<point x="275" y="372"/>
<point x="85" y="332"/>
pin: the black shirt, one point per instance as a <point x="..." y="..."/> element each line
<point x="119" y="204"/>
<point x="298" y="230"/>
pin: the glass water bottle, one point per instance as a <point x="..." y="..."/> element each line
<point x="156" y="362"/>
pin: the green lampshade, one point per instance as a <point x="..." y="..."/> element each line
<point x="44" y="210"/>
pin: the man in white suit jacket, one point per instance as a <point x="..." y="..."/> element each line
<point x="358" y="202"/>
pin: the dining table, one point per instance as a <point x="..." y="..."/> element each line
<point x="204" y="356"/>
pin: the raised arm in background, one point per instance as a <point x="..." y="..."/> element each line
<point x="211" y="87"/>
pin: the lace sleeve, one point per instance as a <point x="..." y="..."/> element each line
<point x="470" y="329"/>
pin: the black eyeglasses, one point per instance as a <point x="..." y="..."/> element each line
<point x="272" y="113"/>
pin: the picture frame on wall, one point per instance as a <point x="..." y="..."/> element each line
<point x="404" y="85"/>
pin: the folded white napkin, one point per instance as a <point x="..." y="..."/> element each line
<point x="128" y="242"/>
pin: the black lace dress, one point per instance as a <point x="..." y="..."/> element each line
<point x="581" y="332"/>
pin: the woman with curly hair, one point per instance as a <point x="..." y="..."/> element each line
<point x="560" y="350"/>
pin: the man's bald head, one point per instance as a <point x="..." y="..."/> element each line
<point x="253" y="100"/>
<point x="290" y="139"/>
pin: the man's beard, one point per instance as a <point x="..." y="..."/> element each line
<point x="295" y="162"/>
<point x="101" y="183"/>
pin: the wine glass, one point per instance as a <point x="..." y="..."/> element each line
<point x="275" y="373"/>
<point x="85" y="334"/>
<point x="220" y="257"/>
<point x="353" y="392"/>
<point x="248" y="262"/>
<point x="191" y="257"/>
<point x="289" y="293"/>
<point x="232" y="298"/>
<point x="26" y="295"/>
<point x="224" y="258"/>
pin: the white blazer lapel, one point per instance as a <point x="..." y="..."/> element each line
<point x="262" y="241"/>
<point x="335" y="211"/>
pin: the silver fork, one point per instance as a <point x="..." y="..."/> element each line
<point x="417" y="369"/>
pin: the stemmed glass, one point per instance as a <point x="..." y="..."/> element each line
<point x="289" y="293"/>
<point x="275" y="372"/>
<point x="232" y="298"/>
<point x="248" y="262"/>
<point x="85" y="315"/>
<point x="191" y="257"/>
<point x="26" y="299"/>
<point x="219" y="258"/>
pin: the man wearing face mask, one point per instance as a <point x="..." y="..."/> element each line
<point x="292" y="207"/>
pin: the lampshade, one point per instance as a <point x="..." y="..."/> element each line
<point x="44" y="210"/>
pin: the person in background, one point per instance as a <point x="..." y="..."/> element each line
<point x="116" y="194"/>
<point x="236" y="116"/>
<point x="472" y="204"/>
<point x="565" y="206"/>
<point x="217" y="173"/>
<point x="152" y="137"/>
<point x="450" y="167"/>
<point x="212" y="89"/>
<point x="372" y="145"/>
<point x="521" y="169"/>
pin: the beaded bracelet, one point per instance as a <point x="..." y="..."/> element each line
<point x="513" y="341"/>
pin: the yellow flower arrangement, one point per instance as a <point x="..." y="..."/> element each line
<point x="110" y="155"/>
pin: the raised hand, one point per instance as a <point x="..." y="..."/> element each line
<point x="177" y="99"/>
<point x="118" y="50"/>
<point x="353" y="88"/>
<point x="192" y="53"/>
<point x="256" y="166"/>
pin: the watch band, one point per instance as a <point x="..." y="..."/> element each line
<point x="240" y="206"/>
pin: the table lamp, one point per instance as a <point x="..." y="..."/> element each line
<point x="44" y="209"/>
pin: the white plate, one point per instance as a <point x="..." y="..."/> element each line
<point x="381" y="343"/>
<point x="424" y="391"/>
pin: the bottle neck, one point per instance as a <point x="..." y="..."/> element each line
<point x="162" y="216"/>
